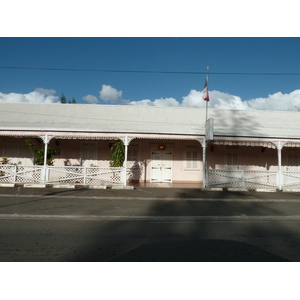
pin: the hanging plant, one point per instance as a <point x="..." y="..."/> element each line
<point x="117" y="155"/>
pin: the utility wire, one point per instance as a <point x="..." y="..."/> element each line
<point x="153" y="72"/>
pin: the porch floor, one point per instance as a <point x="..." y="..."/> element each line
<point x="166" y="185"/>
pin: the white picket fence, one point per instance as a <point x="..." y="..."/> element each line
<point x="242" y="179"/>
<point x="64" y="175"/>
<point x="291" y="179"/>
<point x="18" y="174"/>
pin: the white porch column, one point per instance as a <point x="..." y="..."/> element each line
<point x="202" y="141"/>
<point x="204" y="162"/>
<point x="279" y="148"/>
<point x="126" y="140"/>
<point x="46" y="139"/>
<point x="46" y="150"/>
<point x="125" y="160"/>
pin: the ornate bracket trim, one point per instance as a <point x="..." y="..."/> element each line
<point x="126" y="139"/>
<point x="267" y="144"/>
<point x="46" y="138"/>
<point x="279" y="144"/>
<point x="202" y="141"/>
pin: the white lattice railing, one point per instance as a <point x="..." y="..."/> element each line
<point x="241" y="179"/>
<point x="21" y="174"/>
<point x="107" y="176"/>
<point x="84" y="175"/>
<point x="291" y="179"/>
<point x="7" y="173"/>
<point x="55" y="175"/>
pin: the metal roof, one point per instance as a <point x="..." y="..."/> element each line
<point x="147" y="119"/>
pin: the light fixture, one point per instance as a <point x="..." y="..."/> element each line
<point x="161" y="147"/>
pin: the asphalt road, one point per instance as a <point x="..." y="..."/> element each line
<point x="148" y="225"/>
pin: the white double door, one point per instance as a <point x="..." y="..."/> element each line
<point x="161" y="165"/>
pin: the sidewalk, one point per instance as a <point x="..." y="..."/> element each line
<point x="158" y="193"/>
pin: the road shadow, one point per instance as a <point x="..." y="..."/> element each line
<point x="157" y="238"/>
<point x="192" y="241"/>
<point x="199" y="251"/>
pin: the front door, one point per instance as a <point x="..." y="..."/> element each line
<point x="161" y="165"/>
<point x="89" y="154"/>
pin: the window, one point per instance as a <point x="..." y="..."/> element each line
<point x="89" y="154"/>
<point x="291" y="159"/>
<point x="192" y="159"/>
<point x="133" y="157"/>
<point x="231" y="161"/>
<point x="18" y="154"/>
<point x="293" y="162"/>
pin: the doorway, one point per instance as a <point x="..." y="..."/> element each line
<point x="161" y="165"/>
<point x="89" y="154"/>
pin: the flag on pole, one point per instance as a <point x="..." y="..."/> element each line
<point x="205" y="91"/>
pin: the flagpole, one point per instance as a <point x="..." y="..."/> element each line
<point x="207" y="89"/>
<point x="206" y="98"/>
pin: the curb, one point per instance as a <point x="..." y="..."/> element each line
<point x="240" y="190"/>
<point x="33" y="185"/>
<point x="7" y="185"/>
<point x="212" y="189"/>
<point x="291" y="190"/>
<point x="68" y="186"/>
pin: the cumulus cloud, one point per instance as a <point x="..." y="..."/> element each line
<point x="90" y="99"/>
<point x="220" y="100"/>
<point x="144" y="102"/>
<point x="157" y="102"/>
<point x="217" y="100"/>
<point x="36" y="96"/>
<point x="112" y="95"/>
<point x="193" y="99"/>
<point x="45" y="91"/>
<point x="277" y="101"/>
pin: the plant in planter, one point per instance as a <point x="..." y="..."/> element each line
<point x="4" y="160"/>
<point x="117" y="155"/>
<point x="38" y="153"/>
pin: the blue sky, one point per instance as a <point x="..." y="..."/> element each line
<point x="187" y="54"/>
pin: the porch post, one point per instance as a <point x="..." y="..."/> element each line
<point x="204" y="162"/>
<point x="126" y="142"/>
<point x="279" y="168"/>
<point x="279" y="148"/>
<point x="46" y="141"/>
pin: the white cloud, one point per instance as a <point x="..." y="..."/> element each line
<point x="226" y="101"/>
<point x="45" y="91"/>
<point x="193" y="99"/>
<point x="90" y="99"/>
<point x="166" y="102"/>
<point x="112" y="95"/>
<point x="158" y="102"/>
<point x="277" y="101"/>
<point x="32" y="97"/>
<point x="220" y="100"/>
<point x="142" y="102"/>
